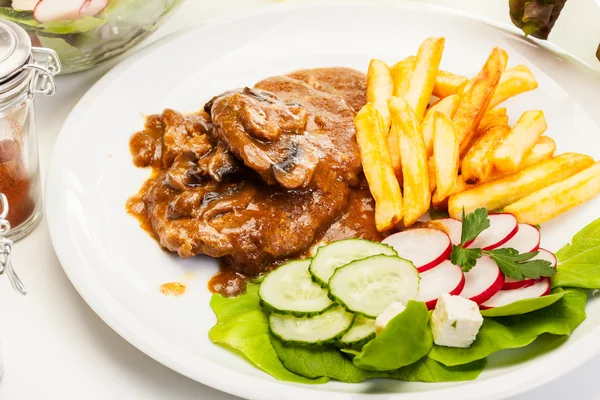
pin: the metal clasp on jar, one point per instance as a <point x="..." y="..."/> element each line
<point x="46" y="64"/>
<point x="6" y="246"/>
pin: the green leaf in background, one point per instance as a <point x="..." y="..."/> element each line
<point x="243" y="327"/>
<point x="524" y="306"/>
<point x="80" y="25"/>
<point x="319" y="362"/>
<point x="579" y="262"/>
<point x="428" y="370"/>
<point x="20" y="17"/>
<point x="405" y="340"/>
<point x="497" y="334"/>
<point x="435" y="214"/>
<point x="536" y="17"/>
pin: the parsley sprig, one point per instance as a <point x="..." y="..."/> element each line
<point x="511" y="263"/>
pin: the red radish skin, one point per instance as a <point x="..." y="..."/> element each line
<point x="503" y="227"/>
<point x="445" y="278"/>
<point x="453" y="229"/>
<point x="54" y="10"/>
<point x="426" y="248"/>
<point x="505" y="297"/>
<point x="93" y="7"/>
<point x="526" y="240"/>
<point x="483" y="281"/>
<point x="512" y="284"/>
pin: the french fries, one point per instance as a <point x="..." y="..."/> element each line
<point x="432" y="178"/>
<point x="519" y="141"/>
<point x="379" y="88"/>
<point x="477" y="164"/>
<point x="493" y="117"/>
<point x="557" y="198"/>
<point x="476" y="100"/>
<point x="424" y="75"/>
<point x="415" y="173"/>
<point x="514" y="81"/>
<point x="504" y="58"/>
<point x="496" y="194"/>
<point x="445" y="156"/>
<point x="371" y="137"/>
<point x="393" y="142"/>
<point x="447" y="84"/>
<point x="459" y="186"/>
<point x="543" y="149"/>
<point x="401" y="75"/>
<point x="447" y="106"/>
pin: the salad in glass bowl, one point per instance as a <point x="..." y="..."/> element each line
<point x="87" y="32"/>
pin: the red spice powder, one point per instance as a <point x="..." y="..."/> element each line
<point x="14" y="182"/>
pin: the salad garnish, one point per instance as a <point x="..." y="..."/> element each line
<point x="512" y="263"/>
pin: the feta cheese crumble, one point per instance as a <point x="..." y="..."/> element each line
<point x="385" y="317"/>
<point x="455" y="321"/>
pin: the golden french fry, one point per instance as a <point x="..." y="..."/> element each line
<point x="379" y="88"/>
<point x="544" y="149"/>
<point x="459" y="186"/>
<point x="514" y="81"/>
<point x="476" y="100"/>
<point x="557" y="198"/>
<point x="521" y="138"/>
<point x="393" y="142"/>
<point x="447" y="84"/>
<point x="415" y="174"/>
<point x="445" y="155"/>
<point x="446" y="106"/>
<point x="432" y="178"/>
<point x="493" y="117"/>
<point x="504" y="58"/>
<point x="477" y="165"/>
<point x="496" y="194"/>
<point x="401" y="75"/>
<point x="377" y="166"/>
<point x="424" y="75"/>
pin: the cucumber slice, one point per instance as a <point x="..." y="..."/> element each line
<point x="321" y="329"/>
<point x="290" y="290"/>
<point x="337" y="254"/>
<point x="370" y="285"/>
<point x="361" y="332"/>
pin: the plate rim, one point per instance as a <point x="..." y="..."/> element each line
<point x="257" y="388"/>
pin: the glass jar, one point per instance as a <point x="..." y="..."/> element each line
<point x="24" y="72"/>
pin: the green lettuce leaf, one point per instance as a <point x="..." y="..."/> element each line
<point x="20" y="17"/>
<point x="319" y="362"/>
<point x="405" y="340"/>
<point x="244" y="328"/>
<point x="524" y="306"/>
<point x="579" y="262"/>
<point x="428" y="370"/>
<point x="497" y="334"/>
<point x="79" y="25"/>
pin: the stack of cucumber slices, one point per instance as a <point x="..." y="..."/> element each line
<point x="335" y="297"/>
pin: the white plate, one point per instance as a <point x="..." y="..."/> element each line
<point x="117" y="268"/>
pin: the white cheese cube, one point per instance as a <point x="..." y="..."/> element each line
<point x="385" y="317"/>
<point x="455" y="321"/>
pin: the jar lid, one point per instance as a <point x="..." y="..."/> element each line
<point x="15" y="48"/>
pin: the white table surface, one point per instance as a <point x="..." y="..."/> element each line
<point x="55" y="347"/>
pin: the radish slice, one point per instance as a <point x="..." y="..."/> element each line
<point x="502" y="228"/>
<point x="483" y="281"/>
<point x="425" y="247"/>
<point x="505" y="297"/>
<point x="526" y="240"/>
<point x="53" y="10"/>
<point x="512" y="284"/>
<point x="445" y="278"/>
<point x="24" y="5"/>
<point x="93" y="7"/>
<point x="453" y="228"/>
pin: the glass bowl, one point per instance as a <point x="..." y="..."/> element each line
<point x="87" y="32"/>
